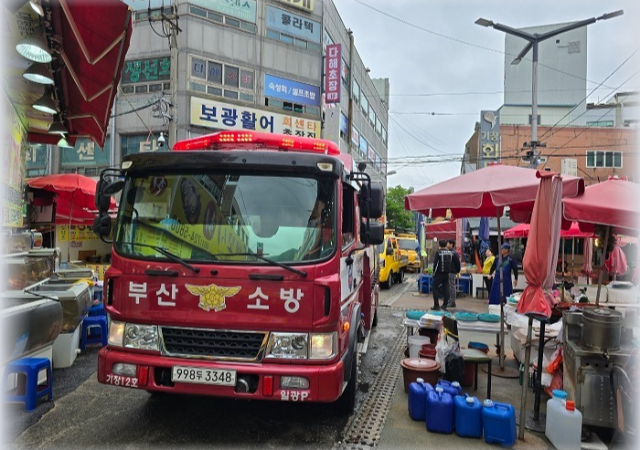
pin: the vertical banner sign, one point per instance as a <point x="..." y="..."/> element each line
<point x="489" y="138"/>
<point x="332" y="71"/>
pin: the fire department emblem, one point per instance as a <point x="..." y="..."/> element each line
<point x="212" y="296"/>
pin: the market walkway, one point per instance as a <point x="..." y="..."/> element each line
<point x="400" y="431"/>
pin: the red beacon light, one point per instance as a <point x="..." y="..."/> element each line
<point x="254" y="140"/>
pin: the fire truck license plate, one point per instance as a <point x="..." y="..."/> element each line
<point x="198" y="375"/>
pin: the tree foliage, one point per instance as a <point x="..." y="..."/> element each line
<point x="397" y="216"/>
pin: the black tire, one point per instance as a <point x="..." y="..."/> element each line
<point x="387" y="284"/>
<point x="401" y="276"/>
<point x="347" y="401"/>
<point x="374" y="323"/>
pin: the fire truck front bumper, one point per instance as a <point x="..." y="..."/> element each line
<point x="256" y="381"/>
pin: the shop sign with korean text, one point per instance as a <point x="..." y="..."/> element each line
<point x="240" y="9"/>
<point x="489" y="138"/>
<point x="146" y="70"/>
<point x="332" y="71"/>
<point x="293" y="24"/>
<point x="306" y="5"/>
<point x="292" y="91"/>
<point x="86" y="153"/>
<point x="224" y="116"/>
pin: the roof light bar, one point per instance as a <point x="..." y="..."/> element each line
<point x="254" y="140"/>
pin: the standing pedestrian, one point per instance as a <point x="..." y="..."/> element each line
<point x="509" y="266"/>
<point x="453" y="275"/>
<point x="442" y="267"/>
<point x="486" y="269"/>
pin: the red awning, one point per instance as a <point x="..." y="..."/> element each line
<point x="441" y="230"/>
<point x="95" y="37"/>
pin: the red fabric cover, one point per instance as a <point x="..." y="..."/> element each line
<point x="485" y="192"/>
<point x="616" y="264"/>
<point x="542" y="248"/>
<point x="612" y="202"/>
<point x="441" y="230"/>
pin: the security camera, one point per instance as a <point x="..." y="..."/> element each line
<point x="161" y="140"/>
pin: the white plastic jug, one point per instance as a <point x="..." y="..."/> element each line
<point x="567" y="431"/>
<point x="415" y="343"/>
<point x="554" y="407"/>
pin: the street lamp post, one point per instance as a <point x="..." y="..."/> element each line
<point x="534" y="39"/>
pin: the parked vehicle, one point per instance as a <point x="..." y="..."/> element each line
<point x="392" y="263"/>
<point x="408" y="243"/>
<point x="242" y="266"/>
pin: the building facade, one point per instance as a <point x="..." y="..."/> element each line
<point x="244" y="65"/>
<point x="589" y="140"/>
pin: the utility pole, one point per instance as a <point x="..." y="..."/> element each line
<point x="534" y="39"/>
<point x="170" y="30"/>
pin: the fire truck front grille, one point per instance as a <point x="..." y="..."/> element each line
<point x="223" y="344"/>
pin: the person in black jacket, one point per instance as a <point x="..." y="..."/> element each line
<point x="453" y="275"/>
<point x="443" y="265"/>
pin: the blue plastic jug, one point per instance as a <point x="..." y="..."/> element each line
<point x="499" y="423"/>
<point x="439" y="411"/>
<point x="418" y="399"/>
<point x="451" y="387"/>
<point x="468" y="415"/>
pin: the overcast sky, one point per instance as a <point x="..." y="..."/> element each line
<point x="436" y="57"/>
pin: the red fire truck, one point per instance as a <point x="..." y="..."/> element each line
<point x="243" y="265"/>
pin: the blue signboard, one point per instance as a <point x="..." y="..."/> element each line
<point x="293" y="25"/>
<point x="292" y="91"/>
<point x="364" y="146"/>
<point x="344" y="124"/>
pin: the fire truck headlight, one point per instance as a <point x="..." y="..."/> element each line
<point x="287" y="345"/>
<point x="116" y="333"/>
<point x="144" y="337"/>
<point x="323" y="346"/>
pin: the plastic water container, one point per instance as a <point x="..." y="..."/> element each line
<point x="499" y="423"/>
<point x="555" y="405"/>
<point x="451" y="387"/>
<point x="568" y="428"/>
<point x="439" y="411"/>
<point x="418" y="399"/>
<point x="468" y="416"/>
<point x="415" y="343"/>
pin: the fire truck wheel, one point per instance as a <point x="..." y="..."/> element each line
<point x="374" y="323"/>
<point x="347" y="402"/>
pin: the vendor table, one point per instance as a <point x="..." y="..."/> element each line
<point x="425" y="284"/>
<point x="470" y="327"/>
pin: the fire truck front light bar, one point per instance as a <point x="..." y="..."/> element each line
<point x="255" y="140"/>
<point x="144" y="337"/>
<point x="287" y="345"/>
<point x="323" y="346"/>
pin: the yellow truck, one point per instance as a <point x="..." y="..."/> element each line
<point x="393" y="264"/>
<point x="408" y="242"/>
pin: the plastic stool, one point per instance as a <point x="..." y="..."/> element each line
<point x="28" y="384"/>
<point x="90" y="326"/>
<point x="97" y="310"/>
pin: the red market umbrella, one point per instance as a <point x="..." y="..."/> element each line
<point x="522" y="231"/>
<point x="613" y="203"/>
<point x="616" y="264"/>
<point x="540" y="259"/>
<point x="485" y="193"/>
<point x="77" y="189"/>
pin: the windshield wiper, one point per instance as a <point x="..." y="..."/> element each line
<point x="167" y="253"/>
<point x="302" y="273"/>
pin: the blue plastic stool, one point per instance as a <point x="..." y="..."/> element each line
<point x="91" y="325"/>
<point x="30" y="368"/>
<point x="97" y="310"/>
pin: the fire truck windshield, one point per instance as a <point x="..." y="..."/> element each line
<point x="227" y="218"/>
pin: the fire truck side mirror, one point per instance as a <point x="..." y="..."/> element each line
<point x="376" y="207"/>
<point x="102" y="225"/>
<point x="373" y="236"/>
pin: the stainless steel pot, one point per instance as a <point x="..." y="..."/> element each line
<point x="601" y="329"/>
